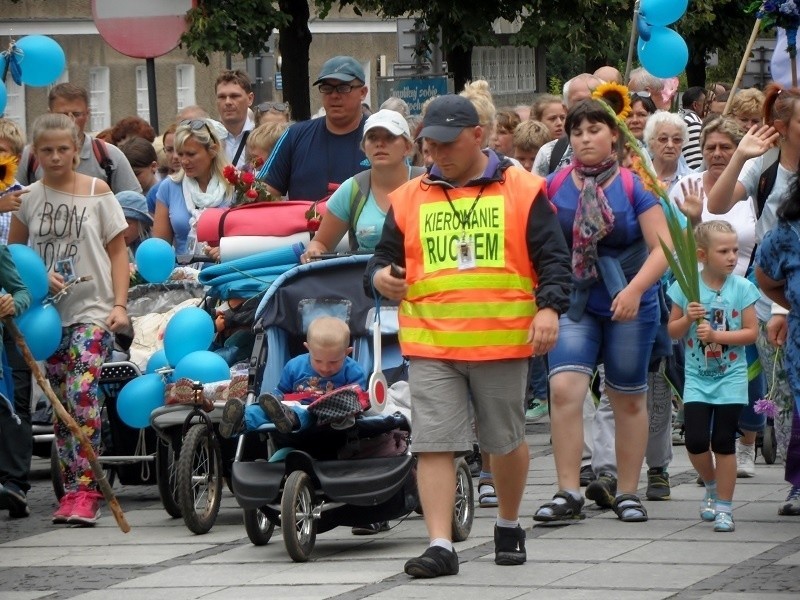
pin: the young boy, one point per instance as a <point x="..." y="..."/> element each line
<point x="529" y="136"/>
<point x="715" y="332"/>
<point x="324" y="368"/>
<point x="262" y="140"/>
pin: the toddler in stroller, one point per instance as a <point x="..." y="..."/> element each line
<point x="325" y="367"/>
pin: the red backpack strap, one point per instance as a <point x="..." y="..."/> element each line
<point x="558" y="180"/>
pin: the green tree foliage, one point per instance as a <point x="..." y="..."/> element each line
<point x="232" y="26"/>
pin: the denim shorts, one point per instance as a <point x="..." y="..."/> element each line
<point x="624" y="347"/>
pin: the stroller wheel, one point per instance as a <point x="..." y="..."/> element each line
<point x="769" y="445"/>
<point x="464" y="509"/>
<point x="259" y="528"/>
<point x="167" y="479"/>
<point x="199" y="479"/>
<point x="298" y="525"/>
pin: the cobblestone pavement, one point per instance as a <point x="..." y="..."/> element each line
<point x="674" y="555"/>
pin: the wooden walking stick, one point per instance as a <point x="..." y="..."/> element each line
<point x="742" y="65"/>
<point x="67" y="419"/>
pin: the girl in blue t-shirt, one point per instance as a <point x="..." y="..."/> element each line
<point x="715" y="332"/>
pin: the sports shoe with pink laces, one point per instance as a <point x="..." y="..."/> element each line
<point x="86" y="509"/>
<point x="65" y="506"/>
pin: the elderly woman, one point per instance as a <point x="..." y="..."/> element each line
<point x="718" y="141"/>
<point x="747" y="108"/>
<point x="664" y="135"/>
<point x="199" y="184"/>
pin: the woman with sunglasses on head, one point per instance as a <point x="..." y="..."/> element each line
<point x="273" y="112"/>
<point x="199" y="184"/>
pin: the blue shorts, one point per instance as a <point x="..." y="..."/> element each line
<point x="624" y="347"/>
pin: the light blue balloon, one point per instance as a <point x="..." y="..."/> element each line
<point x="665" y="54"/>
<point x="3" y="92"/>
<point x="155" y="259"/>
<point x="189" y="330"/>
<point x="643" y="27"/>
<point x="41" y="327"/>
<point x="203" y="366"/>
<point x="157" y="361"/>
<point x="139" y="398"/>
<point x="662" y="12"/>
<point x="42" y="60"/>
<point x="32" y="270"/>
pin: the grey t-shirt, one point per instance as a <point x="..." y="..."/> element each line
<point x="123" y="177"/>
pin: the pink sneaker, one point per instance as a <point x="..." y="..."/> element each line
<point x="65" y="506"/>
<point x="86" y="509"/>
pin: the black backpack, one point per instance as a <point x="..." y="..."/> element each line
<point x="766" y="180"/>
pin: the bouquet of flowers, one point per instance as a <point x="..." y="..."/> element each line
<point x="780" y="13"/>
<point x="248" y="188"/>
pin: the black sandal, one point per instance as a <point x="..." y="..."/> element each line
<point x="561" y="513"/>
<point x="632" y="512"/>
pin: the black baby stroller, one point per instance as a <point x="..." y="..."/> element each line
<point x="313" y="488"/>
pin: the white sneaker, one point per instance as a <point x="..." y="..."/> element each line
<point x="745" y="460"/>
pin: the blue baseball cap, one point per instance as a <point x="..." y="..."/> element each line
<point x="134" y="206"/>
<point x="342" y="68"/>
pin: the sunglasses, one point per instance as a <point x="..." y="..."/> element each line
<point x="276" y="106"/>
<point x="196" y="125"/>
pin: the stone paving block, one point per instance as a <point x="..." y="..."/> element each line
<point x="331" y="572"/>
<point x="745" y="530"/>
<point x="455" y="591"/>
<point x="572" y="594"/>
<point x="793" y="560"/>
<point x="760" y="595"/>
<point x="200" y="576"/>
<point x="25" y="595"/>
<point x="600" y="528"/>
<point x="628" y="576"/>
<point x="728" y="552"/>
<point x="176" y="593"/>
<point x="485" y="572"/>
<point x="543" y="549"/>
<point x="282" y="592"/>
<point x="133" y="555"/>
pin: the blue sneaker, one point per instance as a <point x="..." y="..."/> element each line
<point x="723" y="522"/>
<point x="708" y="508"/>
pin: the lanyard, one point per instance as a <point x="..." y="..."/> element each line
<point x="459" y="221"/>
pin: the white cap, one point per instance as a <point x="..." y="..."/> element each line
<point x="390" y="120"/>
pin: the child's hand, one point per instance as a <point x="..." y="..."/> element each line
<point x="7" y="306"/>
<point x="12" y="200"/>
<point x="118" y="319"/>
<point x="56" y="283"/>
<point x="219" y="323"/>
<point x="695" y="311"/>
<point x="705" y="333"/>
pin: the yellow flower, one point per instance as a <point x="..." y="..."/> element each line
<point x="8" y="171"/>
<point x="616" y="96"/>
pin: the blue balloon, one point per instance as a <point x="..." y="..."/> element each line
<point x="662" y="12"/>
<point x="155" y="259"/>
<point x="41" y="327"/>
<point x="139" y="398"/>
<point x="203" y="366"/>
<point x="157" y="361"/>
<point x="32" y="270"/>
<point x="42" y="60"/>
<point x="3" y="94"/>
<point x="665" y="54"/>
<point x="189" y="330"/>
<point x="643" y="28"/>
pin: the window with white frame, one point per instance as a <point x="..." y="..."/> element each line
<point x="99" y="98"/>
<point x="184" y="85"/>
<point x="508" y="69"/>
<point x="15" y="104"/>
<point x="142" y="101"/>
